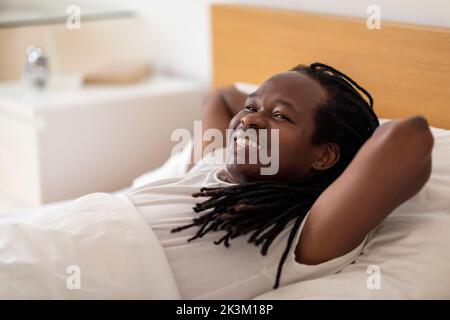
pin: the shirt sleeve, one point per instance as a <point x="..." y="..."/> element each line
<point x="294" y="271"/>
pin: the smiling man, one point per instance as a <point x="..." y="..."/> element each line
<point x="339" y="176"/>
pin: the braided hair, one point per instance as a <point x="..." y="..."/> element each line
<point x="265" y="208"/>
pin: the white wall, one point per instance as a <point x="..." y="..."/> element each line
<point x="180" y="29"/>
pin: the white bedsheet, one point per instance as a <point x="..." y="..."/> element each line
<point x="98" y="247"/>
<point x="411" y="249"/>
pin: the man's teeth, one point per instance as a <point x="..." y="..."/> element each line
<point x="242" y="142"/>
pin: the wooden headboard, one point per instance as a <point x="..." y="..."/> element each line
<point x="405" y="67"/>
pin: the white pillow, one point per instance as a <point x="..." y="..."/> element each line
<point x="411" y="248"/>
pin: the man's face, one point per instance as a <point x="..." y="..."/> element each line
<point x="287" y="102"/>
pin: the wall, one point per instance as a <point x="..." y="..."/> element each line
<point x="95" y="45"/>
<point x="98" y="43"/>
<point x="180" y="29"/>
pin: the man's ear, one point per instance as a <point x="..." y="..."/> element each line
<point x="328" y="156"/>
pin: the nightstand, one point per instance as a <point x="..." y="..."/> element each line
<point x="62" y="143"/>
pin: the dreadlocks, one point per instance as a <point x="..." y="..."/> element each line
<point x="265" y="208"/>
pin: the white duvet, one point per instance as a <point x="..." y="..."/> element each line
<point x="98" y="247"/>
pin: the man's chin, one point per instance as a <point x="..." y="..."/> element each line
<point x="243" y="173"/>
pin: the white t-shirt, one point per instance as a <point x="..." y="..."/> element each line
<point x="204" y="270"/>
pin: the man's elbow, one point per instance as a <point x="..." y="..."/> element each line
<point x="415" y="132"/>
<point x="425" y="140"/>
<point x="423" y="135"/>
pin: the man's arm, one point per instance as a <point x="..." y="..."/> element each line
<point x="391" y="167"/>
<point x="220" y="107"/>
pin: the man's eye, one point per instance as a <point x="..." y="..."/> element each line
<point x="251" y="108"/>
<point x="281" y="116"/>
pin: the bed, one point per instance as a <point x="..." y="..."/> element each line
<point x="407" y="68"/>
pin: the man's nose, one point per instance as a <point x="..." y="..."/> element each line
<point x="254" y="120"/>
